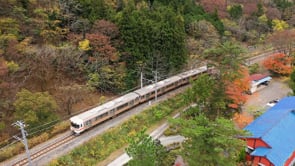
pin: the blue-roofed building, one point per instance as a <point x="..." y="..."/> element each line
<point x="272" y="140"/>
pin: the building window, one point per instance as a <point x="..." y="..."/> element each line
<point x="249" y="149"/>
<point x="292" y="162"/>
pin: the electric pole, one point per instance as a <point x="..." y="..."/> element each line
<point x="21" y="125"/>
<point x="141" y="77"/>
<point x="156" y="80"/>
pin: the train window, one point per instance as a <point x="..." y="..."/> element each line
<point x="131" y="102"/>
<point x="74" y="125"/>
<point x="122" y="106"/>
<point x="88" y="122"/>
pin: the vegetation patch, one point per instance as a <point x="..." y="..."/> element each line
<point x="19" y="148"/>
<point x="99" y="148"/>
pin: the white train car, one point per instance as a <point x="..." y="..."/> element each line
<point x="84" y="121"/>
<point x="148" y="92"/>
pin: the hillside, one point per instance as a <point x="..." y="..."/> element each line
<point x="60" y="57"/>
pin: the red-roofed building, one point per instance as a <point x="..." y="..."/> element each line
<point x="257" y="80"/>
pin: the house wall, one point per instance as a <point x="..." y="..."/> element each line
<point x="262" y="160"/>
<point x="289" y="161"/>
<point x="254" y="143"/>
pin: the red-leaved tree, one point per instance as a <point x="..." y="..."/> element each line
<point x="242" y="119"/>
<point x="236" y="89"/>
<point x="278" y="63"/>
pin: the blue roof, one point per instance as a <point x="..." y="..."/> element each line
<point x="261" y="151"/>
<point x="276" y="128"/>
<point x="263" y="80"/>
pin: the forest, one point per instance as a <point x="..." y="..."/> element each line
<point x="62" y="57"/>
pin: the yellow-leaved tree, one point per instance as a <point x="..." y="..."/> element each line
<point x="279" y="25"/>
<point x="84" y="45"/>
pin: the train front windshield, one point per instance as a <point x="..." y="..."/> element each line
<point x="75" y="125"/>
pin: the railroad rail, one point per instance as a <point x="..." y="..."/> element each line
<point x="45" y="150"/>
<point x="71" y="137"/>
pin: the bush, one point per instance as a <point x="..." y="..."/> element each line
<point x="60" y="128"/>
<point x="37" y="140"/>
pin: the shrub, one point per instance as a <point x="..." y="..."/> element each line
<point x="37" y="140"/>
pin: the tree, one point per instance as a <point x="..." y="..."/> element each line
<point x="101" y="48"/>
<point x="201" y="31"/>
<point x="81" y="26"/>
<point x="212" y="6"/>
<point x="160" y="34"/>
<point x="227" y="59"/>
<point x="283" y="40"/>
<point x="9" y="26"/>
<point x="279" y="25"/>
<point x="35" y="108"/>
<point x="106" y="28"/>
<point x="70" y="95"/>
<point x="279" y="64"/>
<point x="242" y="119"/>
<point x="235" y="11"/>
<point x="108" y="78"/>
<point x="209" y="95"/>
<point x="145" y="151"/>
<point x="236" y="89"/>
<point x="209" y="142"/>
<point x="95" y="9"/>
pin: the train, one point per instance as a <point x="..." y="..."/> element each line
<point x="110" y="109"/>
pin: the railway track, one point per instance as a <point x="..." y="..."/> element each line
<point x="45" y="150"/>
<point x="71" y="137"/>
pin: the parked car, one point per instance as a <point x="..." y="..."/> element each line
<point x="272" y="102"/>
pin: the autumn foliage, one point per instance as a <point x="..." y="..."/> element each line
<point x="242" y="119"/>
<point x="279" y="63"/>
<point x="236" y="89"/>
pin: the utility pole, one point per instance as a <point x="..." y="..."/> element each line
<point x="156" y="80"/>
<point x="141" y="77"/>
<point x="21" y="125"/>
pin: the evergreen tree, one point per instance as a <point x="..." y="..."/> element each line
<point x="209" y="142"/>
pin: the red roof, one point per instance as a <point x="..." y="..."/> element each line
<point x="256" y="77"/>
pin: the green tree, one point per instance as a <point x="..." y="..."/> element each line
<point x="95" y="9"/>
<point x="209" y="95"/>
<point x="209" y="142"/>
<point x="151" y="34"/>
<point x="35" y="108"/>
<point x="9" y="26"/>
<point x="145" y="151"/>
<point x="227" y="58"/>
<point x="235" y="11"/>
